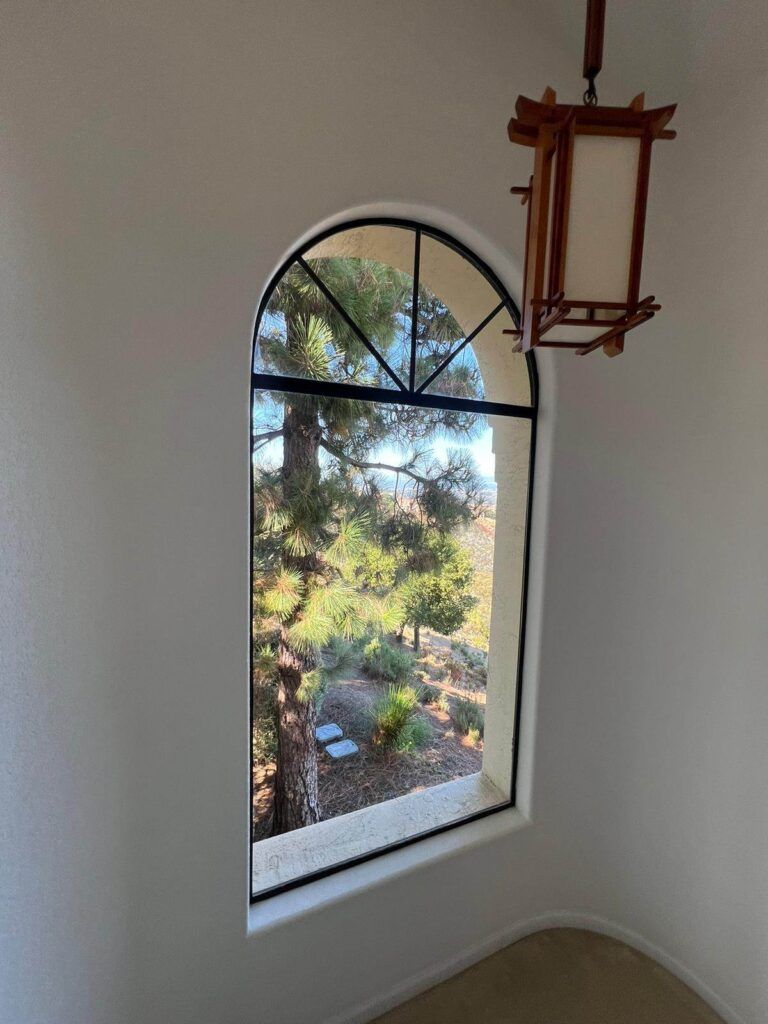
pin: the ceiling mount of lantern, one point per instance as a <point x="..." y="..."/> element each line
<point x="586" y="206"/>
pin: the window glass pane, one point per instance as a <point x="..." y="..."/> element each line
<point x="486" y="368"/>
<point x="439" y="336"/>
<point x="380" y="243"/>
<point x="457" y="283"/>
<point x="373" y="559"/>
<point x="381" y="259"/>
<point x="460" y="379"/>
<point x="302" y="334"/>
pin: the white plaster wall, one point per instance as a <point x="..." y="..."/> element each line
<point x="655" y="642"/>
<point x="158" y="160"/>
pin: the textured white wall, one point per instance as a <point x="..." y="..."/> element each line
<point x="158" y="160"/>
<point x="655" y="642"/>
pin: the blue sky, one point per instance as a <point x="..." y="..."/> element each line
<point x="480" y="448"/>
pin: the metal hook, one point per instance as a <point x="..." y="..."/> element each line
<point x="590" y="95"/>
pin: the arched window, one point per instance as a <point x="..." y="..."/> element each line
<point x="393" y="433"/>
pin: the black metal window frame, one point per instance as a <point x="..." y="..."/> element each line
<point x="404" y="393"/>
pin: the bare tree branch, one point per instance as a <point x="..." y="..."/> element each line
<point x="259" y="440"/>
<point x="383" y="466"/>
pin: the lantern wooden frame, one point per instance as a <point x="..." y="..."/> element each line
<point x="551" y="129"/>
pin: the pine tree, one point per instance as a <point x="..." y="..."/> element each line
<point x="315" y="512"/>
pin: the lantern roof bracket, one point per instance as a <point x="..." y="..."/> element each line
<point x="533" y="115"/>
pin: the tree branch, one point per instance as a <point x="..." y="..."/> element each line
<point x="259" y="440"/>
<point x="383" y="466"/>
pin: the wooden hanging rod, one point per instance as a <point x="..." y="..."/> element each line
<point x="593" y="39"/>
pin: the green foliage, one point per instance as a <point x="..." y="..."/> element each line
<point x="396" y="724"/>
<point x="318" y="341"/>
<point x="474" y="735"/>
<point x="309" y="356"/>
<point x="312" y="688"/>
<point x="377" y="568"/>
<point x="309" y="632"/>
<point x="264" y="722"/>
<point x="391" y="714"/>
<point x="349" y="545"/>
<point x="439" y="596"/>
<point x="337" y="660"/>
<point x="383" y="661"/>
<point x="264" y="662"/>
<point x="283" y="593"/>
<point x="451" y="497"/>
<point x="315" y="606"/>
<point x="331" y="598"/>
<point x="437" y="332"/>
<point x="442" y="703"/>
<point x="466" y="715"/>
<point x="384" y="613"/>
<point x="264" y="690"/>
<point x="476" y="628"/>
<point x="340" y="659"/>
<point x="429" y="694"/>
<point x="417" y="733"/>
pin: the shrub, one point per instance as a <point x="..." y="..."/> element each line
<point x="431" y="666"/>
<point x="443" y="704"/>
<point x="382" y="661"/>
<point x="473" y="736"/>
<point x="468" y="715"/>
<point x="482" y="674"/>
<point x="475" y="659"/>
<point x="455" y="670"/>
<point x="396" y="725"/>
<point x="429" y="694"/>
<point x="416" y="734"/>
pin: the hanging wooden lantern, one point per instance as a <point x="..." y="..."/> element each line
<point x="586" y="212"/>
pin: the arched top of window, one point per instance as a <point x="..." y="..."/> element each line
<point x="435" y="335"/>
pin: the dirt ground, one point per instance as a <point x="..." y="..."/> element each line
<point x="370" y="777"/>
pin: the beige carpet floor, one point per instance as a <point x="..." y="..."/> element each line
<point x="559" y="976"/>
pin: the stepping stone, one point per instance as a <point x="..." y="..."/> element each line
<point x="342" y="749"/>
<point x="327" y="733"/>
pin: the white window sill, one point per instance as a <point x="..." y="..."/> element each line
<point x="285" y="858"/>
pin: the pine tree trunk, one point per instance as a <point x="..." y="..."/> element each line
<point x="296" y="796"/>
<point x="416" y="638"/>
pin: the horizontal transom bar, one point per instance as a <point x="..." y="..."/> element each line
<point x="337" y="389"/>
